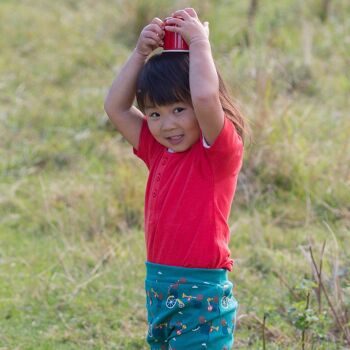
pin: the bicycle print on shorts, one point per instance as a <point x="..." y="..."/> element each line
<point x="204" y="310"/>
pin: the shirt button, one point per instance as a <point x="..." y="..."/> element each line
<point x="154" y="194"/>
<point x="158" y="178"/>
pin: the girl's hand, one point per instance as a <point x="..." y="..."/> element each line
<point x="188" y="25"/>
<point x="151" y="37"/>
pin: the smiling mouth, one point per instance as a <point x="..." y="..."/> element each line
<point x="174" y="140"/>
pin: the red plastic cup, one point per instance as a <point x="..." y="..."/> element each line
<point x="174" y="42"/>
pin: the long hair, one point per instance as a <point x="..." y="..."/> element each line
<point x="164" y="79"/>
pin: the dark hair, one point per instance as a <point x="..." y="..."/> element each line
<point x="164" y="79"/>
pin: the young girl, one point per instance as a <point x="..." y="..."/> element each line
<point x="190" y="136"/>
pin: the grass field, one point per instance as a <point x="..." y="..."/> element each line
<point x="71" y="191"/>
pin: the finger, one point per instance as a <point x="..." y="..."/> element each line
<point x="152" y="35"/>
<point x="174" y="21"/>
<point x="191" y="12"/>
<point x="157" y="21"/>
<point x="181" y="13"/>
<point x="155" y="29"/>
<point x="151" y="42"/>
<point x="173" y="29"/>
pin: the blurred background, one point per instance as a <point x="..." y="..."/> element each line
<point x="71" y="192"/>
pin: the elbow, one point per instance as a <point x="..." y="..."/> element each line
<point x="108" y="107"/>
<point x="107" y="102"/>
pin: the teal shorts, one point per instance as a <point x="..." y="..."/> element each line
<point x="189" y="308"/>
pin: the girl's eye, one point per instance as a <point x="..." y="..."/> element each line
<point x="154" y="115"/>
<point x="178" y="109"/>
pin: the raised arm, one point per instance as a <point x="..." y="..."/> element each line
<point x="119" y="101"/>
<point x="204" y="81"/>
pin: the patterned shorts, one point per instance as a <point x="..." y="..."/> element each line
<point x="189" y="308"/>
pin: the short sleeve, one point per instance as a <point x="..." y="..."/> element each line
<point x="148" y="147"/>
<point x="226" y="153"/>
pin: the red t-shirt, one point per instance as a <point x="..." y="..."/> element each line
<point x="188" y="199"/>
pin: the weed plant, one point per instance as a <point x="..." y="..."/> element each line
<point x="71" y="191"/>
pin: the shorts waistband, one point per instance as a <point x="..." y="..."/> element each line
<point x="198" y="275"/>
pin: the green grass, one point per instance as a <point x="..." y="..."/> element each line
<point x="71" y="192"/>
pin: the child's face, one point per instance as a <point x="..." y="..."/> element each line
<point x="174" y="126"/>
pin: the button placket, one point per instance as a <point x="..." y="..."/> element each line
<point x="158" y="177"/>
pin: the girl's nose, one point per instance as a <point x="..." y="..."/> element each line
<point x="167" y="123"/>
